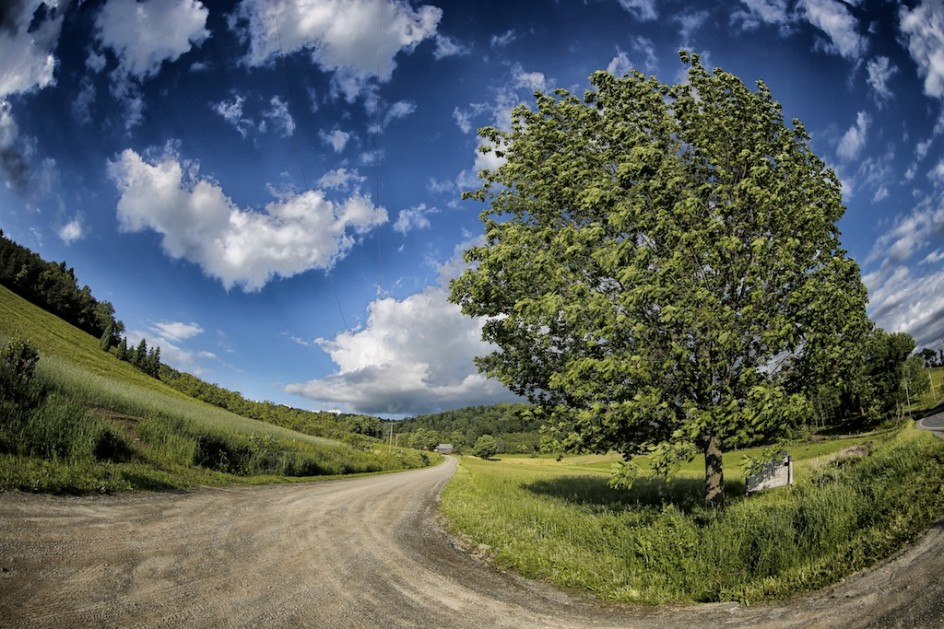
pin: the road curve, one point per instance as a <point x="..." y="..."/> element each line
<point x="356" y="553"/>
<point x="934" y="420"/>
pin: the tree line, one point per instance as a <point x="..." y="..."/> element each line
<point x="54" y="287"/>
<point x="513" y="426"/>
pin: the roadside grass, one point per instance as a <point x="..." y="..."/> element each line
<point x="656" y="543"/>
<point x="83" y="421"/>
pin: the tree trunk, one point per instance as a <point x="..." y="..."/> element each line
<point x="714" y="474"/>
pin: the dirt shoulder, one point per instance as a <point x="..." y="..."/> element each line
<point x="352" y="553"/>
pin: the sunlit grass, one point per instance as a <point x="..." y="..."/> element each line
<point x="560" y="521"/>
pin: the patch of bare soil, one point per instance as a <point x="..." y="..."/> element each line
<point x="352" y="553"/>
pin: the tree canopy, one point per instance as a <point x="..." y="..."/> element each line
<point x="656" y="257"/>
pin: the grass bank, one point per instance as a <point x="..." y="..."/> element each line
<point x="79" y="420"/>
<point x="560" y="521"/>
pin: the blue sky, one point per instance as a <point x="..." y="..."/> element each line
<point x="270" y="189"/>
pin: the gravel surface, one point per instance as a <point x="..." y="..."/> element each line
<point x="352" y="553"/>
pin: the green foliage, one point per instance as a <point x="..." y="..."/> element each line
<point x="656" y="543"/>
<point x="649" y="250"/>
<point x="513" y="425"/>
<point x="54" y="287"/>
<point x="915" y="378"/>
<point x="485" y="447"/>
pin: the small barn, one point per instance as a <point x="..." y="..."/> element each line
<point x="444" y="448"/>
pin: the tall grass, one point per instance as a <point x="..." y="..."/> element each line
<point x="657" y="544"/>
<point x="84" y="421"/>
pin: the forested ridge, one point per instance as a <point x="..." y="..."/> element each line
<point x="54" y="287"/>
<point x="512" y="425"/>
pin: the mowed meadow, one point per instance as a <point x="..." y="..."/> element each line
<point x="84" y="421"/>
<point x="855" y="501"/>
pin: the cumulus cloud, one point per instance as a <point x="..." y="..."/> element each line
<point x="280" y="118"/>
<point x="532" y="81"/>
<point x="336" y="139"/>
<point x="759" y="12"/>
<point x="143" y="36"/>
<point x="232" y="112"/>
<point x="853" y="141"/>
<point x="503" y="39"/>
<point x="923" y="27"/>
<point x="902" y="300"/>
<point x="834" y="19"/>
<point x="72" y="231"/>
<point x="177" y="330"/>
<point x="29" y="33"/>
<point x="880" y="71"/>
<point x="413" y="356"/>
<point x="910" y="233"/>
<point x="688" y="24"/>
<point x="28" y="37"/>
<point x="342" y="36"/>
<point x="620" y="64"/>
<point x="199" y="223"/>
<point x="341" y="179"/>
<point x="449" y="47"/>
<point x="413" y="218"/>
<point x="643" y="10"/>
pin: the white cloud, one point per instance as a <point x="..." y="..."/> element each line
<point x="72" y="231"/>
<point x="27" y="62"/>
<point x="934" y="257"/>
<point x="689" y="23"/>
<point x="837" y="22"/>
<point x="199" y="223"/>
<point x="533" y="81"/>
<point x="853" y="141"/>
<point x="644" y="10"/>
<point x="910" y="233"/>
<point x="341" y="179"/>
<point x="82" y="104"/>
<point x="924" y="28"/>
<point x="880" y="71"/>
<point x="502" y="40"/>
<point x="620" y="64"/>
<point x="336" y="139"/>
<point x="448" y="47"/>
<point x="902" y="301"/>
<point x="232" y="112"/>
<point x="413" y="356"/>
<point x="881" y="194"/>
<point x="413" y="218"/>
<point x="464" y="118"/>
<point x="95" y="61"/>
<point x="761" y="12"/>
<point x="177" y="330"/>
<point x="342" y="36"/>
<point x="143" y="35"/>
<point x="400" y="109"/>
<point x="279" y="116"/>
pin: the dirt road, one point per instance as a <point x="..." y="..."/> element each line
<point x="352" y="553"/>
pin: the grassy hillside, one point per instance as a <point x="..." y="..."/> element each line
<point x="87" y="421"/>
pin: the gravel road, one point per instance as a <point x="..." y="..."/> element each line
<point x="351" y="553"/>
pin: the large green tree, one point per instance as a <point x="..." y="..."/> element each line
<point x="654" y="256"/>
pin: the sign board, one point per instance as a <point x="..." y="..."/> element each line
<point x="775" y="473"/>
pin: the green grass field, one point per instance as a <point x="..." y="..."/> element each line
<point x="99" y="424"/>
<point x="656" y="543"/>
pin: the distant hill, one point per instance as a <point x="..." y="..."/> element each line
<point x="510" y="424"/>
